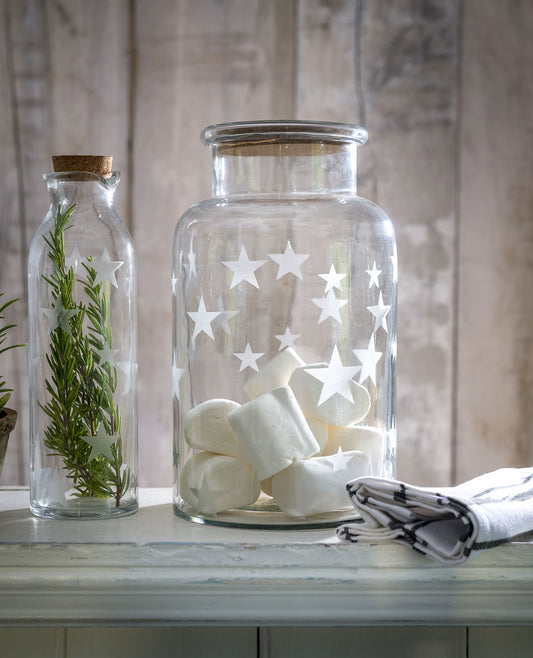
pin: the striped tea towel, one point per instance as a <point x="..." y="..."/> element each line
<point x="448" y="524"/>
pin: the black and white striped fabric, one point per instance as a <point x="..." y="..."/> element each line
<point x="448" y="524"/>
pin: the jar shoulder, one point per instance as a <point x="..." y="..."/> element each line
<point x="90" y="232"/>
<point x="318" y="208"/>
<point x="87" y="223"/>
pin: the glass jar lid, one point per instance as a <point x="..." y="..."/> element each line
<point x="272" y="132"/>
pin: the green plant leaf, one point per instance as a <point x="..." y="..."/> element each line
<point x="80" y="389"/>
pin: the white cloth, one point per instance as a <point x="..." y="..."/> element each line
<point x="448" y="524"/>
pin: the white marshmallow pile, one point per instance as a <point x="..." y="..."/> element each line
<point x="273" y="432"/>
<point x="205" y="480"/>
<point x="282" y="442"/>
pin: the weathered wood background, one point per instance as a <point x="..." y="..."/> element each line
<point x="445" y="88"/>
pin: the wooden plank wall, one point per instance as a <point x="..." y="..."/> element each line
<point x="444" y="88"/>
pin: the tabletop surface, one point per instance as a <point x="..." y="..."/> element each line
<point x="153" y="567"/>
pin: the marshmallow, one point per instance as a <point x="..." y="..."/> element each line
<point x="336" y="410"/>
<point x="212" y="483"/>
<point x="369" y="440"/>
<point x="266" y="486"/>
<point x="206" y="427"/>
<point x="320" y="431"/>
<point x="272" y="432"/>
<point x="276" y="373"/>
<point x="318" y="485"/>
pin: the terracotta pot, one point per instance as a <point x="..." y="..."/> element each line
<point x="8" y="419"/>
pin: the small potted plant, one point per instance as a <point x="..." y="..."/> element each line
<point x="8" y="417"/>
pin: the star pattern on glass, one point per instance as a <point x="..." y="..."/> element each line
<point x="380" y="313"/>
<point x="287" y="339"/>
<point x="107" y="355"/>
<point x="177" y="374"/>
<point x="54" y="485"/>
<point x="205" y="496"/>
<point x="327" y="463"/>
<point x="335" y="378"/>
<point x="243" y="269"/>
<point x="369" y="359"/>
<point x="106" y="268"/>
<point x="75" y="260"/>
<point x="126" y="368"/>
<point x="330" y="307"/>
<point x="59" y="316"/>
<point x="190" y="267"/>
<point x="394" y="263"/>
<point x="101" y="443"/>
<point x="221" y="322"/>
<point x="248" y="358"/>
<point x="342" y="459"/>
<point x="338" y="461"/>
<point x="333" y="279"/>
<point x="202" y="319"/>
<point x="374" y="276"/>
<point x="289" y="262"/>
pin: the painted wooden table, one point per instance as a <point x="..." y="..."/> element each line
<point x="154" y="569"/>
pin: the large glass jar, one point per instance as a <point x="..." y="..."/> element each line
<point x="82" y="348"/>
<point x="284" y="293"/>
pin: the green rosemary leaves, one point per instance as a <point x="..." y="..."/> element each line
<point x="85" y="426"/>
<point x="5" y="393"/>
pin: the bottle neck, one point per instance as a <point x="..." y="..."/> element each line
<point x="84" y="190"/>
<point x="285" y="169"/>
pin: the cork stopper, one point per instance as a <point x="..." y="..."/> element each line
<point x="102" y="165"/>
<point x="294" y="148"/>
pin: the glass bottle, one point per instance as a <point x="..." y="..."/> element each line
<point x="284" y="343"/>
<point x="82" y="348"/>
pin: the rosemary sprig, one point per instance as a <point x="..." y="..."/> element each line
<point x="82" y="383"/>
<point x="5" y="393"/>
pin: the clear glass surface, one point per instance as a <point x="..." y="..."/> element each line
<point x="83" y="355"/>
<point x="284" y="332"/>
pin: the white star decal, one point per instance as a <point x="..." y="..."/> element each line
<point x="107" y="355"/>
<point x="202" y="319"/>
<point x="338" y="461"/>
<point x="134" y="482"/>
<point x="287" y="339"/>
<point x="59" y="316"/>
<point x="394" y="262"/>
<point x="333" y="279"/>
<point x="177" y="374"/>
<point x="369" y="359"/>
<point x="374" y="276"/>
<point x="335" y="378"/>
<point x="243" y="269"/>
<point x="126" y="368"/>
<point x="248" y="358"/>
<point x="380" y="314"/>
<point x="54" y="485"/>
<point x="101" y="443"/>
<point x="205" y="496"/>
<point x="75" y="260"/>
<point x="222" y="320"/>
<point x="330" y="306"/>
<point x="190" y="267"/>
<point x="105" y="269"/>
<point x="289" y="262"/>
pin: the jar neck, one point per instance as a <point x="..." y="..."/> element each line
<point x="81" y="188"/>
<point x="284" y="169"/>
